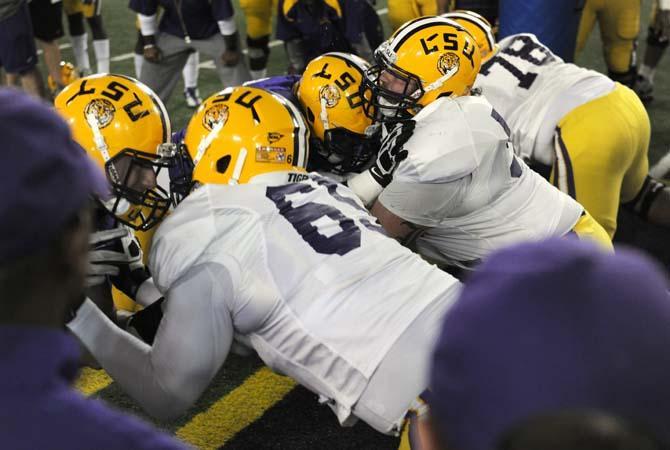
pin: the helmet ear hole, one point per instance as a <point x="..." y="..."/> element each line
<point x="222" y="164"/>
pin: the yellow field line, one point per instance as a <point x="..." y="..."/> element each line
<point x="242" y="406"/>
<point x="91" y="381"/>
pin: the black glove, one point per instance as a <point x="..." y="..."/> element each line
<point x="151" y="51"/>
<point x="392" y="151"/>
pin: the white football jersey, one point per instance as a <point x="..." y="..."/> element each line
<point x="533" y="89"/>
<point x="320" y="292"/>
<point x="462" y="182"/>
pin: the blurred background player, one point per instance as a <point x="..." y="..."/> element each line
<point x="548" y="328"/>
<point x="76" y="11"/>
<point x="619" y="23"/>
<point x="18" y="55"/>
<point x="310" y="28"/>
<point x="657" y="41"/>
<point x="258" y="15"/>
<point x="189" y="73"/>
<point x="47" y="18"/>
<point x="554" y="23"/>
<point x="401" y="11"/>
<point x="125" y="129"/>
<point x="586" y="133"/>
<point x="204" y="26"/>
<point x="485" y="8"/>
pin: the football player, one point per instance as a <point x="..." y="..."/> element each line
<point x="658" y="37"/>
<point x="587" y="133"/>
<point x="619" y="22"/>
<point x="125" y="129"/>
<point x="258" y="14"/>
<point x="453" y="188"/>
<point x="285" y="262"/>
<point x="310" y="28"/>
<point x="76" y="11"/>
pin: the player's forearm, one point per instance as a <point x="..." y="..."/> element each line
<point x="129" y="362"/>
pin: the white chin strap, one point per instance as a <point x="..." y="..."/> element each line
<point x="101" y="144"/>
<point x="387" y="108"/>
<point x="122" y="207"/>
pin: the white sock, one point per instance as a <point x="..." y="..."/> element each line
<point x="190" y="71"/>
<point x="648" y="72"/>
<point x="80" y="49"/>
<point x="138" y="60"/>
<point x="258" y="74"/>
<point x="101" y="49"/>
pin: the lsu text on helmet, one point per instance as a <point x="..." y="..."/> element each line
<point x="480" y="28"/>
<point x="426" y="58"/>
<point x="125" y="128"/>
<point x="344" y="138"/>
<point x="241" y="132"/>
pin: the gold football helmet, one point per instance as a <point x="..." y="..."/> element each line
<point x="329" y="93"/>
<point x="242" y="132"/>
<point x="426" y="58"/>
<point x="479" y="28"/>
<point x="125" y="128"/>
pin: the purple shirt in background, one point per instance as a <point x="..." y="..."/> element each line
<point x="41" y="410"/>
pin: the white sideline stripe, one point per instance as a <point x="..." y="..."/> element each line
<point x="62" y="47"/>
<point x="662" y="167"/>
<point x="210" y="64"/>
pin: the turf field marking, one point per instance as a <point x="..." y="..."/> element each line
<point x="91" y="381"/>
<point x="210" y="64"/>
<point x="238" y="409"/>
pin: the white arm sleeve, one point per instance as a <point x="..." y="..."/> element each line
<point x="424" y="204"/>
<point x="664" y="4"/>
<point x="191" y="344"/>
<point x="228" y="26"/>
<point x="148" y="24"/>
<point x="365" y="187"/>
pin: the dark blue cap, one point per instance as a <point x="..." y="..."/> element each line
<point x="550" y="326"/>
<point x="45" y="176"/>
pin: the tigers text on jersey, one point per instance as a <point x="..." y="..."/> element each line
<point x="319" y="291"/>
<point x="462" y="182"/>
<point x="532" y="89"/>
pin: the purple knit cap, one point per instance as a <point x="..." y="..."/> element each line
<point x="551" y="326"/>
<point x="45" y="176"/>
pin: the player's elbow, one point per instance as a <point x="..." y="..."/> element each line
<point x="180" y="389"/>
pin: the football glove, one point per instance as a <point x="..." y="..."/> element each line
<point x="392" y="151"/>
<point x="114" y="253"/>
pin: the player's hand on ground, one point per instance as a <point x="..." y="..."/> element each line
<point x="392" y="151"/>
